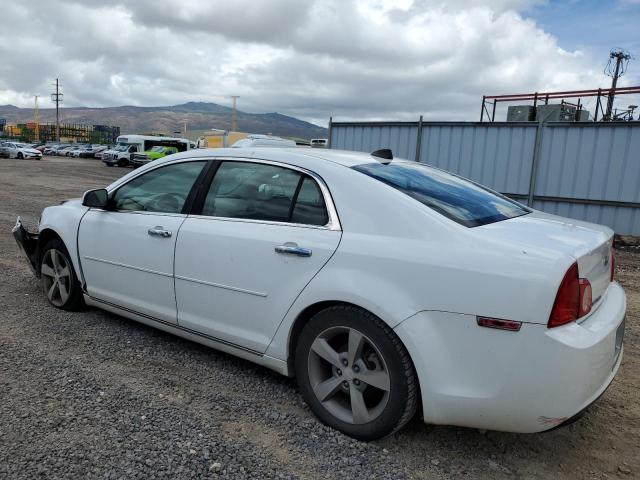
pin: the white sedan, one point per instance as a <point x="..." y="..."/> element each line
<point x="384" y="286"/>
<point x="21" y="150"/>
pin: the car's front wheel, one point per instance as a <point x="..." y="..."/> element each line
<point x="355" y="374"/>
<point x="59" y="280"/>
<point x="19" y="156"/>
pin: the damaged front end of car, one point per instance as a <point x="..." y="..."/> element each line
<point x="28" y="243"/>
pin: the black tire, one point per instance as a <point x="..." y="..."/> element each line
<point x="19" y="156"/>
<point x="109" y="164"/>
<point x="402" y="396"/>
<point x="122" y="162"/>
<point x="73" y="300"/>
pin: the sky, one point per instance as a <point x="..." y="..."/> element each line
<point x="312" y="59"/>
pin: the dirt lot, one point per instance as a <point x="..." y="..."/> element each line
<point x="93" y="395"/>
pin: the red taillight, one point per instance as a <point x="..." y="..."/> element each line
<point x="567" y="304"/>
<point x="613" y="265"/>
<point x="573" y="300"/>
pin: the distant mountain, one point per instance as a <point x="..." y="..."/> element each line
<point x="200" y="116"/>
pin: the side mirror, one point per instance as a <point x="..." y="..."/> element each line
<point x="96" y="198"/>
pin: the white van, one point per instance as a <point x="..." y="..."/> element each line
<point x="127" y="145"/>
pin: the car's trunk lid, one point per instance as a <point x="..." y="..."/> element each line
<point x="588" y="243"/>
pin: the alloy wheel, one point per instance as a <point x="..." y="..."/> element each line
<point x="56" y="275"/>
<point x="348" y="375"/>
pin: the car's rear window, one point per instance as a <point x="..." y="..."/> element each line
<point x="454" y="197"/>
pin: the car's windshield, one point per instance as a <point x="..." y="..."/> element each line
<point x="121" y="148"/>
<point x="456" y="198"/>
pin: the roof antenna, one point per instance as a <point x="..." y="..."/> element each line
<point x="384" y="153"/>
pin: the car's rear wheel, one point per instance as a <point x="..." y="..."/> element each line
<point x="19" y="156"/>
<point x="355" y="374"/>
<point x="59" y="280"/>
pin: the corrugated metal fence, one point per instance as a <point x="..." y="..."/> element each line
<point x="589" y="171"/>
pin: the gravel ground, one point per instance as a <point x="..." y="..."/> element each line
<point x="93" y="395"/>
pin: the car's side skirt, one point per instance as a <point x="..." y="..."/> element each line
<point x="278" y="365"/>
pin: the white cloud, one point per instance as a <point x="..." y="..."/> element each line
<point x="347" y="58"/>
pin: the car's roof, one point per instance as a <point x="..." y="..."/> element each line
<point x="290" y="155"/>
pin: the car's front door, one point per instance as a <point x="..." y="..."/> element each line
<point x="262" y="234"/>
<point x="127" y="251"/>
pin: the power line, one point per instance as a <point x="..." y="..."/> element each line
<point x="36" y="117"/>
<point x="56" y="97"/>
<point x="621" y="58"/>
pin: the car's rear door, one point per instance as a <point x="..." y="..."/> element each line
<point x="127" y="251"/>
<point x="264" y="230"/>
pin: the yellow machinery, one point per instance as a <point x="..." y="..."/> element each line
<point x="222" y="138"/>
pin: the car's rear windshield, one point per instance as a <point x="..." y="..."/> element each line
<point x="458" y="199"/>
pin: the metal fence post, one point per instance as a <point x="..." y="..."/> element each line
<point x="534" y="163"/>
<point x="419" y="139"/>
<point x="329" y="135"/>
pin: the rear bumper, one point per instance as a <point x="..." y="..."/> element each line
<point x="28" y="243"/>
<point x="527" y="381"/>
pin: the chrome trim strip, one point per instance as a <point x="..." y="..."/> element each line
<point x="263" y="222"/>
<point x="124" y="265"/>
<point x="177" y="326"/>
<point x="220" y="285"/>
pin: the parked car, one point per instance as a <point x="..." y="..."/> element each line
<point x="87" y="151"/>
<point x="4" y="150"/>
<point x="70" y="151"/>
<point x="76" y="152"/>
<point x="139" y="159"/>
<point x="95" y="150"/>
<point x="103" y="149"/>
<point x="62" y="151"/>
<point x="51" y="149"/>
<point x="21" y="150"/>
<point x="258" y="140"/>
<point x="381" y="284"/>
<point x="319" y="143"/>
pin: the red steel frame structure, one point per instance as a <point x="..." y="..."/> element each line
<point x="536" y="97"/>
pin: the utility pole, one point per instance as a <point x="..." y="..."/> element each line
<point x="36" y="117"/>
<point x="184" y="127"/>
<point x="56" y="97"/>
<point x="234" y="114"/>
<point x="621" y="59"/>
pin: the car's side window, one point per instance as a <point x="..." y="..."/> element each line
<point x="164" y="189"/>
<point x="310" y="208"/>
<point x="252" y="191"/>
<point x="259" y="191"/>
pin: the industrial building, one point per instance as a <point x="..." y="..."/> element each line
<point x="69" y="132"/>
